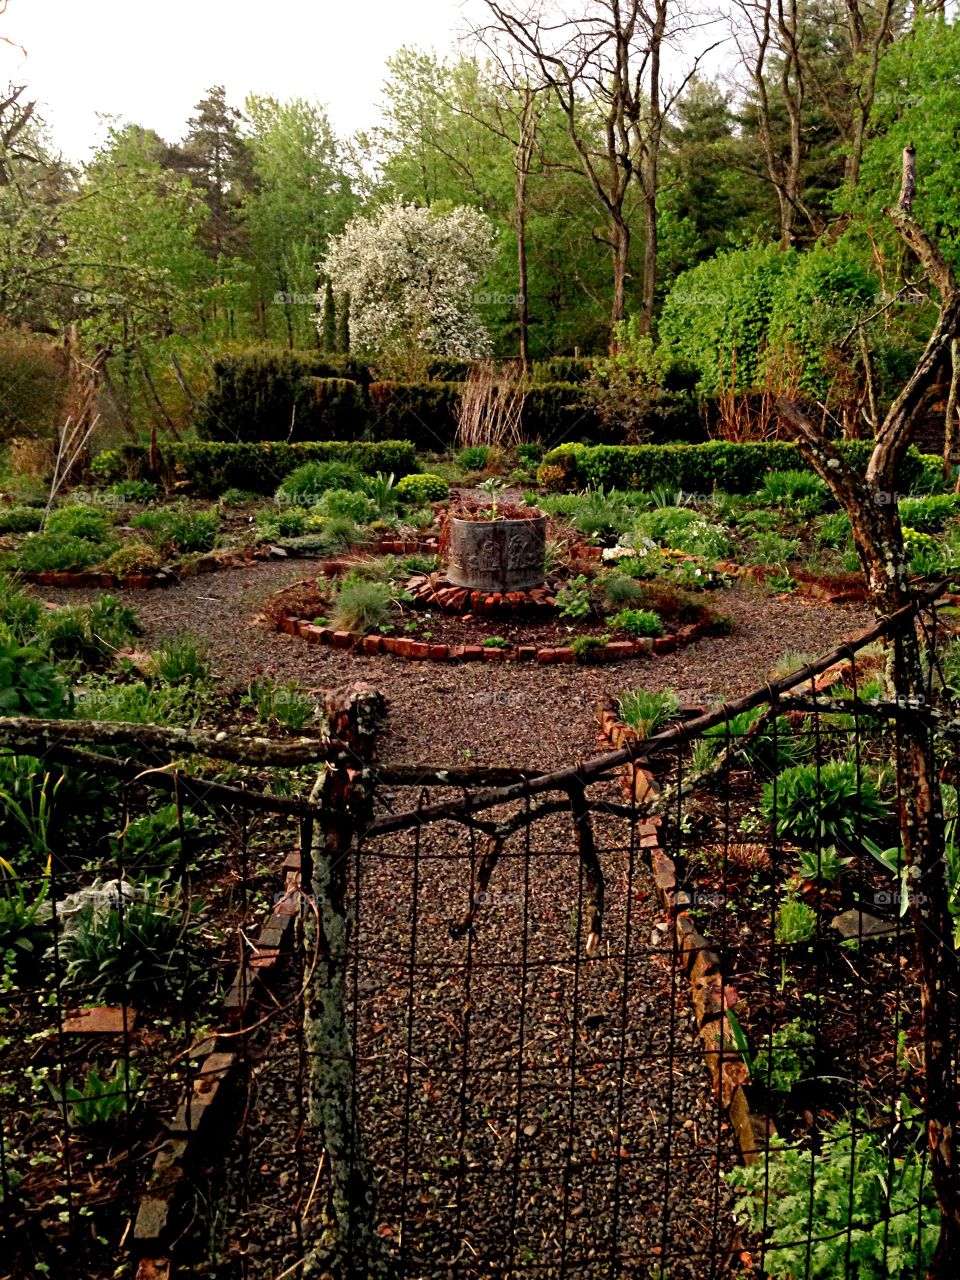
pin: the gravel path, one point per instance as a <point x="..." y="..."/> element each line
<point x="502" y="714"/>
<point x="552" y="1117"/>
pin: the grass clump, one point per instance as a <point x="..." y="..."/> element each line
<point x="180" y="659"/>
<point x="284" y="704"/>
<point x="637" y="622"/>
<point x="363" y="605"/>
<point x="305" y="486"/>
<point x="646" y="711"/>
<point x="173" y="529"/>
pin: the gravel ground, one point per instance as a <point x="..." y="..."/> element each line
<point x="551" y="1117"/>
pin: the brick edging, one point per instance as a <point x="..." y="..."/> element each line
<point x="189" y="1127"/>
<point x="709" y="994"/>
<point x="422" y="651"/>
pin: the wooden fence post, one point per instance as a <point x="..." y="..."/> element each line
<point x="347" y="1246"/>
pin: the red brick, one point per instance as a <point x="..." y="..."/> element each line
<point x="546" y="656"/>
<point x="456" y="652"/>
<point x="473" y="653"/>
<point x="618" y="649"/>
<point x="688" y="633"/>
<point x="104" y="1021"/>
<point x="391" y="644"/>
<point x="439" y="652"/>
<point x="516" y="599"/>
<point x="527" y="653"/>
<point x="308" y="631"/>
<point x="401" y="647"/>
<point x="288" y="626"/>
<point x="564" y="655"/>
<point x="372" y="644"/>
<point x="493" y="655"/>
<point x="664" y="644"/>
<point x="343" y="640"/>
<point x="418" y="649"/>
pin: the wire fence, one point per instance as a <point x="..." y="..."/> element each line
<point x="656" y="1014"/>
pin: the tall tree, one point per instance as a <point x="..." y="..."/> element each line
<point x="302" y="196"/>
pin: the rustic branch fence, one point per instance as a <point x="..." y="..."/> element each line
<point x="483" y="1021"/>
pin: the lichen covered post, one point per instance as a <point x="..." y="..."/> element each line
<point x="346" y="1246"/>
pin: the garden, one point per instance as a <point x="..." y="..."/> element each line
<point x="480" y="662"/>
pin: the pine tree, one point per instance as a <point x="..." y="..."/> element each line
<point x="343" y="324"/>
<point x="328" y="326"/>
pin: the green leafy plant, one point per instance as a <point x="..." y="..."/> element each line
<point x="179" y="529"/>
<point x="90" y="633"/>
<point x="345" y="502"/>
<point x="100" y="1100"/>
<point x="281" y="522"/>
<point x="788" y="488"/>
<point x="474" y="457"/>
<point x="773" y="548"/>
<point x="24" y="915"/>
<point x="684" y="529"/>
<point x="786" y="1057"/>
<point x="152" y="842"/>
<point x="834" y="530"/>
<point x="829" y="804"/>
<point x="822" y="866"/>
<point x="646" y="711"/>
<point x="30" y="684"/>
<point x="586" y="648"/>
<point x="134" y="491"/>
<point x="637" y="622"/>
<point x="88" y="523"/>
<point x="132" y="954"/>
<point x="496" y="642"/>
<point x="619" y="589"/>
<point x="796" y="922"/>
<point x="864" y="1201"/>
<point x="284" y="704"/>
<point x="573" y="598"/>
<point x="138" y="702"/>
<point x="307" y="484"/>
<point x="182" y="658"/>
<point x="20" y="519"/>
<point x="236" y="498"/>
<point x="55" y="553"/>
<point x="419" y="490"/>
<point x="381" y="489"/>
<point x="930" y="513"/>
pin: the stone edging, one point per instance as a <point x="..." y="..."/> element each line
<point x="191" y="1124"/>
<point x="709" y="994"/>
<point x="422" y="651"/>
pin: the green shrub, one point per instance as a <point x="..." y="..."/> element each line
<point x="55" y="553"/>
<point x="210" y="469"/>
<point x="20" y="612"/>
<point x="362" y="605"/>
<point x="474" y="457"/>
<point x="261" y="395"/>
<point x="281" y="522"/>
<point x="835" y="530"/>
<point x="425" y="413"/>
<point x="572" y="369"/>
<point x="496" y="642"/>
<point x="30" y="685"/>
<point x="827" y="804"/>
<point x="822" y="866"/>
<point x="586" y="648"/>
<point x="132" y="557"/>
<point x="89" y="633"/>
<point x="772" y="548"/>
<point x="864" y="1202"/>
<point x="344" y="502"/>
<point x="236" y="498"/>
<point x="684" y="529"/>
<point x="336" y="534"/>
<point x="134" y="491"/>
<point x="138" y="703"/>
<point x="529" y="454"/>
<point x="637" y="622"/>
<point x="20" y="519"/>
<point x="701" y="468"/>
<point x="381" y="489"/>
<point x="618" y="589"/>
<point x="179" y="529"/>
<point x="931" y="513"/>
<point x="418" y="490"/>
<point x="100" y="1100"/>
<point x="307" y="485"/>
<point x="78" y="521"/>
<point x="787" y="488"/>
<point x="646" y="711"/>
<point x="33" y="384"/>
<point x="152" y="843"/>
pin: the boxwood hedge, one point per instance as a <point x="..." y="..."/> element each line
<point x="701" y="468"/>
<point x="210" y="468"/>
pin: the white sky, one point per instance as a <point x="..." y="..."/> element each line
<point x="149" y="63"/>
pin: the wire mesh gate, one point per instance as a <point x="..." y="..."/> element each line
<point x="530" y="1086"/>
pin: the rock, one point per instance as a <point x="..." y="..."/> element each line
<point x="860" y="924"/>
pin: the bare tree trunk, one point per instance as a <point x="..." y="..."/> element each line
<point x="951" y="425"/>
<point x="522" y="158"/>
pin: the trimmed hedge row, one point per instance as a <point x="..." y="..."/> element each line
<point x="209" y="468"/>
<point x="701" y="468"/>
<point x="277" y="396"/>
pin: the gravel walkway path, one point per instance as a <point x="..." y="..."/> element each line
<point x="552" y="1118"/>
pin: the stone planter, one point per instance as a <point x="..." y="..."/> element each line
<point x="497" y="555"/>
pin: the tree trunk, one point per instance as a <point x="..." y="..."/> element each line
<point x="621" y="257"/>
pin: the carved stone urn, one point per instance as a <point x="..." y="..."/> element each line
<point x="502" y="554"/>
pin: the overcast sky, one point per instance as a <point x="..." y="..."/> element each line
<point x="150" y="64"/>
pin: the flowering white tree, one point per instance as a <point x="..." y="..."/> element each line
<point x="411" y="275"/>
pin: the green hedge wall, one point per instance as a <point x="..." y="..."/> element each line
<point x="208" y="468"/>
<point x="254" y="395"/>
<point x="701" y="468"/>
<point x="575" y="369"/>
<point x="425" y="413"/>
